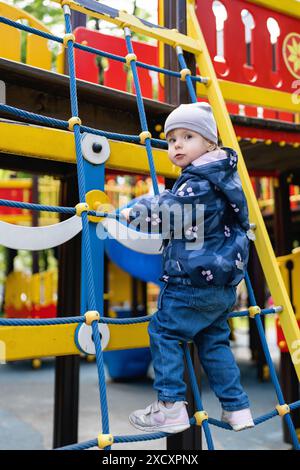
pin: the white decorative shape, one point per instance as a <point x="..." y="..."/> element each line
<point x="84" y="340"/>
<point x="181" y="193"/>
<point x="87" y="142"/>
<point x="19" y="237"/>
<point x="189" y="189"/>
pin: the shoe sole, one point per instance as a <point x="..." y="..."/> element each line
<point x="167" y="429"/>
<point x="246" y="426"/>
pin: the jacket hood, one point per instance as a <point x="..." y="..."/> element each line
<point x="222" y="174"/>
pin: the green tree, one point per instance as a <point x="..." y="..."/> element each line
<point x="42" y="10"/>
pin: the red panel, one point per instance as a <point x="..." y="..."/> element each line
<point x="235" y="46"/>
<point x="281" y="342"/>
<point x="35" y="311"/>
<point x="13" y="194"/>
<point x="275" y="135"/>
<point x="115" y="75"/>
<point x="235" y="67"/>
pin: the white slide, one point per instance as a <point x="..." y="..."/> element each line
<point x="19" y="237"/>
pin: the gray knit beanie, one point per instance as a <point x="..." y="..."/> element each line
<point x="196" y="117"/>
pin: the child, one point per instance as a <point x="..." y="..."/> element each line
<point x="200" y="280"/>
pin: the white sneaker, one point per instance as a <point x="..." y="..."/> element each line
<point x="158" y="418"/>
<point x="238" y="420"/>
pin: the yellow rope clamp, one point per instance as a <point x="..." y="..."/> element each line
<point x="144" y="135"/>
<point x="129" y="58"/>
<point x="72" y="121"/>
<point x="67" y="38"/>
<point x="200" y="416"/>
<point x="98" y="201"/>
<point x="105" y="440"/>
<point x="184" y="73"/>
<point x="81" y="207"/>
<point x="90" y="316"/>
<point x="283" y="409"/>
<point x="254" y="310"/>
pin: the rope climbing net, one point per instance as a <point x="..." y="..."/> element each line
<point x="92" y="317"/>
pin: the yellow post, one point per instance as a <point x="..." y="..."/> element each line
<point x="262" y="243"/>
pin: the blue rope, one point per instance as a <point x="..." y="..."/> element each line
<point x="85" y="229"/>
<point x="92" y="50"/>
<point x="81" y="446"/>
<point x="196" y="393"/>
<point x="40" y="321"/>
<point x="141" y="110"/>
<point x="273" y="374"/>
<point x="188" y="79"/>
<point x="58" y="123"/>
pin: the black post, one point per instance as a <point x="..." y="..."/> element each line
<point x="35" y="221"/>
<point x="283" y="246"/>
<point x="175" y="93"/>
<point x="258" y="283"/>
<point x="67" y="367"/>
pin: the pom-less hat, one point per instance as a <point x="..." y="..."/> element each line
<point x="196" y="117"/>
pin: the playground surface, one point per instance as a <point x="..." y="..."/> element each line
<point x="26" y="411"/>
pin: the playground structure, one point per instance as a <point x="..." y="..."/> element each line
<point x="36" y="337"/>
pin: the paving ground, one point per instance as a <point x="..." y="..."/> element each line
<point x="26" y="409"/>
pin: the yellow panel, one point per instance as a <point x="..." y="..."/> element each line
<point x="17" y="219"/>
<point x="262" y="243"/>
<point x="10" y="42"/>
<point x="19" y="183"/>
<point x="119" y="285"/>
<point x="53" y="144"/>
<point x="288" y="7"/>
<point x="249" y="94"/>
<point x="27" y="342"/>
<point x="37" y="51"/>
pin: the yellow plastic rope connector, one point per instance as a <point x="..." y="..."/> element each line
<point x="200" y="416"/>
<point x="68" y="37"/>
<point x="184" y="73"/>
<point x="144" y="135"/>
<point x="72" y="121"/>
<point x="105" y="440"/>
<point x="283" y="409"/>
<point x="81" y="207"/>
<point x="254" y="310"/>
<point x="129" y="58"/>
<point x="90" y="316"/>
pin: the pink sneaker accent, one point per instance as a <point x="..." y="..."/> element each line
<point x="238" y="420"/>
<point x="158" y="418"/>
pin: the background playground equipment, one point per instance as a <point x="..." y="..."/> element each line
<point x="262" y="245"/>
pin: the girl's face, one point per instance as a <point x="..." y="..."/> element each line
<point x="185" y="146"/>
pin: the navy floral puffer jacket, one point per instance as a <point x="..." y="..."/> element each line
<point x="212" y="248"/>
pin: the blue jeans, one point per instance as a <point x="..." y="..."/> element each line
<point x="200" y="314"/>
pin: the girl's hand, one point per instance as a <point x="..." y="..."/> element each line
<point x="125" y="213"/>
